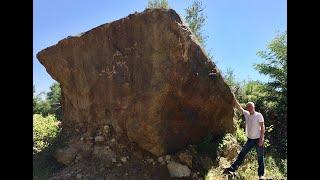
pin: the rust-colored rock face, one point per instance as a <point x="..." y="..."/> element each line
<point x="147" y="76"/>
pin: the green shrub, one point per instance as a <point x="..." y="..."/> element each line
<point x="45" y="129"/>
<point x="227" y="139"/>
<point x="282" y="164"/>
<point x="241" y="135"/>
<point x="249" y="169"/>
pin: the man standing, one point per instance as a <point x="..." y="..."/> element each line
<point x="255" y="132"/>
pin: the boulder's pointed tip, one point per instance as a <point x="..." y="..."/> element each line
<point x="40" y="56"/>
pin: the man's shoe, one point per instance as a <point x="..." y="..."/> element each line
<point x="261" y="177"/>
<point x="229" y="170"/>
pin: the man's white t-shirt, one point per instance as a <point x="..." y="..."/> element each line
<point x="253" y="127"/>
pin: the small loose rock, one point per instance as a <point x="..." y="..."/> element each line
<point x="168" y="157"/>
<point x="124" y="159"/>
<point x="160" y="159"/>
<point x="99" y="139"/>
<point x="150" y="160"/>
<point x="79" y="176"/>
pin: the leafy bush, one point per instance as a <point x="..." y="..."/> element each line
<point x="249" y="168"/>
<point x="45" y="129"/>
<point x="240" y="134"/>
<point x="282" y="164"/>
<point x="227" y="139"/>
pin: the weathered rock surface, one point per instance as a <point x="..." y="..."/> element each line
<point x="66" y="156"/>
<point x="147" y="76"/>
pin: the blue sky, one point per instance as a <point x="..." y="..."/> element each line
<point x="236" y="29"/>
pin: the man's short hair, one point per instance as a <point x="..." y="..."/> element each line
<point x="251" y="103"/>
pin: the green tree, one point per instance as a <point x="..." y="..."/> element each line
<point x="40" y="106"/>
<point x="230" y="79"/>
<point x="158" y="4"/>
<point x="54" y="98"/>
<point x="51" y="104"/>
<point x="236" y="86"/>
<point x="195" y="19"/>
<point x="54" y="95"/>
<point x="275" y="66"/>
<point x="254" y="91"/>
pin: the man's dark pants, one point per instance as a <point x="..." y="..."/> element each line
<point x="245" y="150"/>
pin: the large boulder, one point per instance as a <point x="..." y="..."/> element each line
<point x="147" y="76"/>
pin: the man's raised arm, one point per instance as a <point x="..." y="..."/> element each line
<point x="238" y="106"/>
